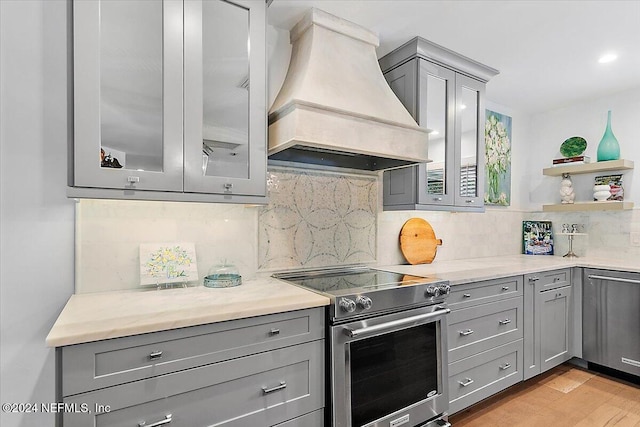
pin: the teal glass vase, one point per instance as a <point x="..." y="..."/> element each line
<point x="608" y="149"/>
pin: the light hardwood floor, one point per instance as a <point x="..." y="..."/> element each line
<point x="565" y="396"/>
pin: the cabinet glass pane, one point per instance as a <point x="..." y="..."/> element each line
<point x="225" y="58"/>
<point x="468" y="112"/>
<point x="435" y="118"/>
<point x="131" y="125"/>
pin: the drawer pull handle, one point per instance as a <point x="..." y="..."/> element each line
<point x="467" y="332"/>
<point x="505" y="366"/>
<point x="534" y="279"/>
<point x="155" y="355"/>
<point x="466" y="295"/>
<point x="274" y="331"/>
<point x="505" y="288"/>
<point x="167" y="420"/>
<point x="505" y="321"/>
<point x="282" y="385"/>
<point x="466" y="382"/>
<point x="556" y="279"/>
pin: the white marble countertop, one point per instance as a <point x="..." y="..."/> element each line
<point x="98" y="316"/>
<point x="103" y="315"/>
<point x="476" y="269"/>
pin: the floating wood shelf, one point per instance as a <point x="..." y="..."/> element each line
<point x="588" y="206"/>
<point x="610" y="165"/>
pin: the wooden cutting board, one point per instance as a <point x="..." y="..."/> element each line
<point x="418" y="241"/>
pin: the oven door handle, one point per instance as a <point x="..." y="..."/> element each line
<point x="352" y="333"/>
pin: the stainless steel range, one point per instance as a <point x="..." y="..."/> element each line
<point x="387" y="344"/>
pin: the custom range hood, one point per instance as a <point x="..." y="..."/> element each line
<point x="335" y="108"/>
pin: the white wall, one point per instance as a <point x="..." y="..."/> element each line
<point x="608" y="233"/>
<point x="587" y="119"/>
<point x="36" y="259"/>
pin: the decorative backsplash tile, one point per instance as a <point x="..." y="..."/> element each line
<point x="317" y="219"/>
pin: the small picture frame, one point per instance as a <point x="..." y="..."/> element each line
<point x="162" y="263"/>
<point x="537" y="238"/>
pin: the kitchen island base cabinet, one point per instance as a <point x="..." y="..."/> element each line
<point x="548" y="320"/>
<point x="262" y="371"/>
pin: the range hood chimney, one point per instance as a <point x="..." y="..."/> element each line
<point x="335" y="108"/>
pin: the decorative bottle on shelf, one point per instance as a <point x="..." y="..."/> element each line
<point x="608" y="149"/>
<point x="567" y="194"/>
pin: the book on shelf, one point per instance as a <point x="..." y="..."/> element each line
<point x="576" y="160"/>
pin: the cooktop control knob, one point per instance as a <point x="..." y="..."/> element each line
<point x="347" y="305"/>
<point x="444" y="289"/>
<point x="432" y="291"/>
<point x="364" y="302"/>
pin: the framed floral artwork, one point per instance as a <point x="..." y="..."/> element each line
<point x="497" y="156"/>
<point x="162" y="263"/>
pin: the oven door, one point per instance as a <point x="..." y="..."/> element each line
<point x="390" y="370"/>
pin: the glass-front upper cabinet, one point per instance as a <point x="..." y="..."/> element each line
<point x="170" y="96"/>
<point x="469" y="157"/>
<point x="436" y="87"/>
<point x="225" y="93"/>
<point x="128" y="94"/>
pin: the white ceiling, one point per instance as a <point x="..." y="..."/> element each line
<point x="546" y="50"/>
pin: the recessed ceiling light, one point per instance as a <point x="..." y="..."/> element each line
<point x="607" y="58"/>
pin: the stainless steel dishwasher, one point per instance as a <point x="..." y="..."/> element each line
<point x="611" y="319"/>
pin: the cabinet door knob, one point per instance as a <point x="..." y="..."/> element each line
<point x="167" y="420"/>
<point x="228" y="186"/>
<point x="155" y="355"/>
<point x="470" y="201"/>
<point x="282" y="385"/>
<point x="466" y="382"/>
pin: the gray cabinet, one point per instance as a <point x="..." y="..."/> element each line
<point x="262" y="371"/>
<point x="444" y="92"/>
<point x="485" y="339"/>
<point x="169" y="111"/>
<point x="487" y="373"/>
<point x="548" y="320"/>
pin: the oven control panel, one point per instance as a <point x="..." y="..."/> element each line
<point x="356" y="305"/>
<point x="434" y="291"/>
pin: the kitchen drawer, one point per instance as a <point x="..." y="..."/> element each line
<point x="314" y="419"/>
<point x="229" y="393"/>
<point x="546" y="280"/>
<point x="480" y="328"/>
<point x="483" y="292"/>
<point x="107" y="363"/>
<point x="480" y="376"/>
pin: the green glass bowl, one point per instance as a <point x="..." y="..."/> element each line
<point x="222" y="280"/>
